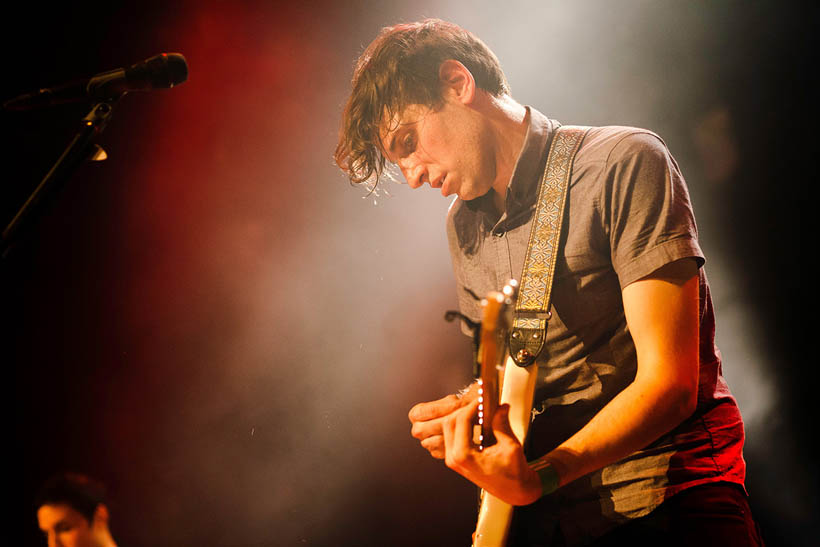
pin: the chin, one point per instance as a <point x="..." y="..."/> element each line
<point x="465" y="192"/>
<point x="471" y="194"/>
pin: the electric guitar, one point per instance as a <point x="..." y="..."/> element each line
<point x="500" y="381"/>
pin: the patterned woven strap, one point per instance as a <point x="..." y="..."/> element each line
<point x="532" y="307"/>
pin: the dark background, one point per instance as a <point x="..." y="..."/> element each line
<point x="217" y="326"/>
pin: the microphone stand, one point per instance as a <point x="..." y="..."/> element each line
<point x="80" y="149"/>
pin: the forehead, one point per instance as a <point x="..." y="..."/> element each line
<point x="48" y="515"/>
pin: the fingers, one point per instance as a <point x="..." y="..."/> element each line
<point x="431" y="437"/>
<point x="462" y="445"/>
<point x="458" y="436"/>
<point x="428" y="419"/>
<point x="422" y="430"/>
<point x="501" y="468"/>
<point x="435" y="409"/>
<point x="501" y="424"/>
<point x="435" y="446"/>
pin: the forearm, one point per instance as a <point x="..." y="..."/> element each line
<point x="637" y="416"/>
<point x="662" y="315"/>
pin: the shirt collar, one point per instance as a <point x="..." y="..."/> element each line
<point x="526" y="174"/>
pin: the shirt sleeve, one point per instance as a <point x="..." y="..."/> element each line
<point x="646" y="208"/>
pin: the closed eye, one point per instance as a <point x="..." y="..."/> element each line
<point x="62" y="526"/>
<point x="408" y="143"/>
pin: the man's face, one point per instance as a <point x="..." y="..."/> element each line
<point x="445" y="147"/>
<point x="64" y="526"/>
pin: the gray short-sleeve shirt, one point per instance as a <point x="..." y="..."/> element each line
<point x="628" y="214"/>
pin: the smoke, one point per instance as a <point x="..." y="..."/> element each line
<point x="261" y="328"/>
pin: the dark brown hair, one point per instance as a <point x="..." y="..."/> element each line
<point x="80" y="492"/>
<point x="399" y="68"/>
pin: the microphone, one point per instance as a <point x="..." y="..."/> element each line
<point x="158" y="72"/>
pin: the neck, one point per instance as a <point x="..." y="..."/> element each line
<point x="509" y="122"/>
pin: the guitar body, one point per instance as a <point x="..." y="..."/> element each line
<point x="501" y="382"/>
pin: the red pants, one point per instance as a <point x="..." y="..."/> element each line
<point x="709" y="515"/>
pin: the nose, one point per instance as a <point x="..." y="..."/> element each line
<point x="414" y="172"/>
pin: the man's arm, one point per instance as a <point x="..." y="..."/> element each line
<point x="662" y="314"/>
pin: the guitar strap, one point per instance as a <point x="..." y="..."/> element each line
<point x="533" y="303"/>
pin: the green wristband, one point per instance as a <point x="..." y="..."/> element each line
<point x="547" y="474"/>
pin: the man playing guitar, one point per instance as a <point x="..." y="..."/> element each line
<point x="635" y="436"/>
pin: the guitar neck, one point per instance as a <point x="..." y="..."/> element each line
<point x="494" y="515"/>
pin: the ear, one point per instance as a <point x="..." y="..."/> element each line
<point x="457" y="81"/>
<point x="100" y="515"/>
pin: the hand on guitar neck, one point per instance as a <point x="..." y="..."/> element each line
<point x="445" y="429"/>
<point x="500" y="469"/>
<point x="427" y="419"/>
<point x="494" y="460"/>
